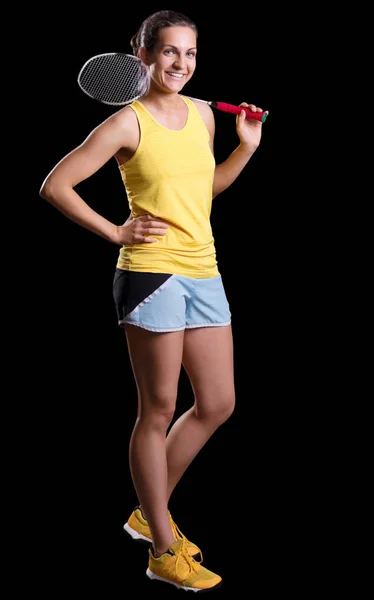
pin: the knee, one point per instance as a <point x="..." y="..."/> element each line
<point x="226" y="409"/>
<point x="158" y="411"/>
<point x="218" y="411"/>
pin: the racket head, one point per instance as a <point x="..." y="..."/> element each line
<point x="114" y="78"/>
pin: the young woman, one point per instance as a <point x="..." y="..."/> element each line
<point x="167" y="286"/>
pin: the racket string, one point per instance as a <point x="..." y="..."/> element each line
<point x="114" y="78"/>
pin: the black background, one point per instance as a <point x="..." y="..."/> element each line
<point x="241" y="499"/>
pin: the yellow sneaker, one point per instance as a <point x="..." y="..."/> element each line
<point x="137" y="528"/>
<point x="178" y="568"/>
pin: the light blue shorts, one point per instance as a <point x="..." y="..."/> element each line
<point x="162" y="302"/>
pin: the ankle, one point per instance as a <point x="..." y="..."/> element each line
<point x="142" y="512"/>
<point x="159" y="552"/>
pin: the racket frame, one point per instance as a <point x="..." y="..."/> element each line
<point x="97" y="56"/>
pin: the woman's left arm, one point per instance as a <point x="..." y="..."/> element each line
<point x="249" y="132"/>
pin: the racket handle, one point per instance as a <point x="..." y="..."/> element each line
<point x="236" y="110"/>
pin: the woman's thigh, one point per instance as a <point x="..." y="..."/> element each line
<point x="156" y="360"/>
<point x="209" y="363"/>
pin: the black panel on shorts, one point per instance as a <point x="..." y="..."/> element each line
<point x="130" y="288"/>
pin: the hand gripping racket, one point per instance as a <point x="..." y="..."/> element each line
<point x="118" y="79"/>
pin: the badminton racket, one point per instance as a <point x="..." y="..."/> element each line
<point x="117" y="79"/>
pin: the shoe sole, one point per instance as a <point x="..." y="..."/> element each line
<point x="135" y="535"/>
<point x="155" y="577"/>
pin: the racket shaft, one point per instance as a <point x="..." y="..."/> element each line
<point x="236" y="110"/>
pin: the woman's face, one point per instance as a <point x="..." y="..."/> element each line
<point x="173" y="59"/>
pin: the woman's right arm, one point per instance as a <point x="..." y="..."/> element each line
<point x="82" y="162"/>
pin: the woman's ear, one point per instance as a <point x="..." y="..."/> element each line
<point x="142" y="53"/>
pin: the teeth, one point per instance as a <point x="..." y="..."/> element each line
<point x="178" y="75"/>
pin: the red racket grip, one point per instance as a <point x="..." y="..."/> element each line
<point x="236" y="110"/>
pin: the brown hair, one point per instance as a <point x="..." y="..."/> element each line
<point x="147" y="34"/>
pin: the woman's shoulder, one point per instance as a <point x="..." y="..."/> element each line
<point x="203" y="108"/>
<point x="124" y="120"/>
<point x="205" y="112"/>
<point x="123" y="127"/>
<point x="126" y="115"/>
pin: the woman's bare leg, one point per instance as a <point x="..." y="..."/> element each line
<point x="156" y="360"/>
<point x="208" y="361"/>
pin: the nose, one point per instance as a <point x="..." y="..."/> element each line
<point x="179" y="62"/>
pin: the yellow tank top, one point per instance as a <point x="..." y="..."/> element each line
<point x="170" y="176"/>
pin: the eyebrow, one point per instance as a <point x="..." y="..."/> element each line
<point x="175" y="47"/>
